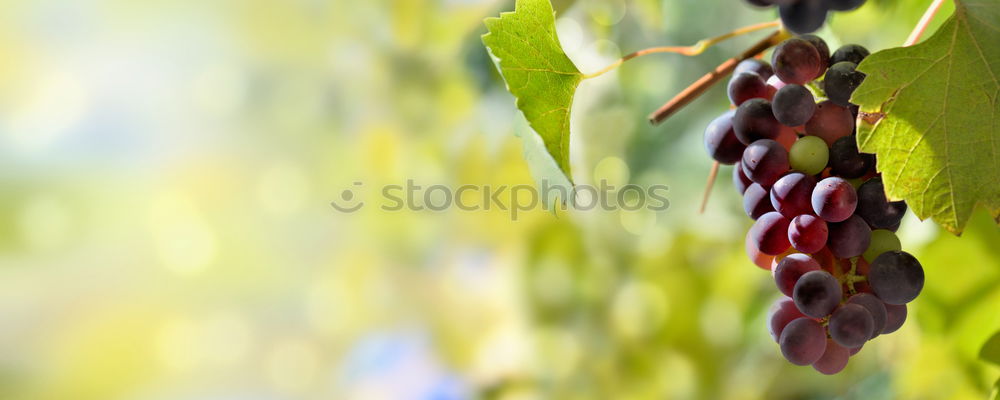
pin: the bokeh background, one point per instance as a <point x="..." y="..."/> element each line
<point x="165" y="228"/>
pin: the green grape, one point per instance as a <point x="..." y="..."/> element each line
<point x="809" y="155"/>
<point x="856" y="182"/>
<point x="883" y="240"/>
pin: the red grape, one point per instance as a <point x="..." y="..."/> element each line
<point x="721" y="142"/>
<point x="849" y="238"/>
<point x="875" y="307"/>
<point x="790" y="269"/>
<point x="803" y="341"/>
<point x="796" y="61"/>
<point x="830" y="122"/>
<point x="895" y="316"/>
<point x="851" y="325"/>
<point x="747" y="85"/>
<point x="817" y="293"/>
<point x="740" y="180"/>
<point x="754" y="120"/>
<point x="807" y="233"/>
<point x="834" y="358"/>
<point x="756" y="201"/>
<point x="781" y="313"/>
<point x="791" y="195"/>
<point x="770" y="234"/>
<point x="764" y="161"/>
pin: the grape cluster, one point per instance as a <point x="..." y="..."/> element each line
<point x="806" y="16"/>
<point x="824" y="227"/>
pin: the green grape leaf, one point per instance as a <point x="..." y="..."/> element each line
<point x="931" y="113"/>
<point x="991" y="350"/>
<point x="526" y="50"/>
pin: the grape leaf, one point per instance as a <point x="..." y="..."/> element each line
<point x="991" y="350"/>
<point x="526" y="50"/>
<point x="932" y="114"/>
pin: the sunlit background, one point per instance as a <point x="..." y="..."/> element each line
<point x="166" y="231"/>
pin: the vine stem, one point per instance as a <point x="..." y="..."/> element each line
<point x="708" y="80"/>
<point x="705" y="82"/>
<point x="918" y="30"/>
<point x="708" y="187"/>
<point x="694" y="50"/>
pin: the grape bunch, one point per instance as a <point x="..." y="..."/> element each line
<point x="806" y="16"/>
<point x="824" y="227"/>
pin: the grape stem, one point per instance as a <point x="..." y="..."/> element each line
<point x="924" y="22"/>
<point x="700" y="86"/>
<point x="694" y="50"/>
<point x="852" y="277"/>
<point x="708" y="186"/>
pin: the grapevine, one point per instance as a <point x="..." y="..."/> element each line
<point x="815" y="136"/>
<point x="814" y="228"/>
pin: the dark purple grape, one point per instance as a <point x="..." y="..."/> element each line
<point x="817" y="293"/>
<point x="849" y="238"/>
<point x="781" y="313"/>
<point x="834" y="199"/>
<point x="768" y="3"/>
<point x="754" y="121"/>
<point x="855" y="350"/>
<point x="740" y="180"/>
<point x="844" y="5"/>
<point x="895" y="317"/>
<point x="796" y="61"/>
<point x="791" y="195"/>
<point x="845" y="160"/>
<point x="876" y="209"/>
<point x="821" y="47"/>
<point x="808" y="233"/>
<point x="759" y="67"/>
<point x="841" y="80"/>
<point x="851" y="325"/>
<point x="850" y="52"/>
<point x="896" y="277"/>
<point x="764" y="161"/>
<point x="834" y="358"/>
<point x="802" y="341"/>
<point x="745" y="86"/>
<point x="721" y="142"/>
<point x="793" y="105"/>
<point x="830" y="122"/>
<point x="756" y="201"/>
<point x="803" y="16"/>
<point x="790" y="269"/>
<point x="770" y="234"/>
<point x="875" y="307"/>
<point x="894" y="227"/>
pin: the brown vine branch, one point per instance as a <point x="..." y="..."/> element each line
<point x="708" y="187"/>
<point x="705" y="82"/>
<point x="694" y="50"/>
